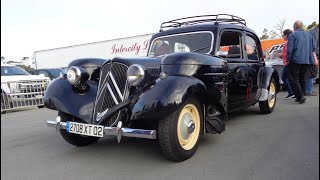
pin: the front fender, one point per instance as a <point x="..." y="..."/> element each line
<point x="166" y="96"/>
<point x="61" y="96"/>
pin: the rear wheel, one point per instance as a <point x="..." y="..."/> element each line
<point x="75" y="139"/>
<point x="268" y="105"/>
<point x="179" y="133"/>
<point x="5" y="104"/>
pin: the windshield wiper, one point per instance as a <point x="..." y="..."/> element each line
<point x="202" y="48"/>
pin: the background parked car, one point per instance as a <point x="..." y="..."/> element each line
<point x="52" y="73"/>
<point x="275" y="61"/>
<point x="20" y="89"/>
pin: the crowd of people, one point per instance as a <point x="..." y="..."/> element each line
<point x="300" y="58"/>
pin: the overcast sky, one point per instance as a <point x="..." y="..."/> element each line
<point x="32" y="25"/>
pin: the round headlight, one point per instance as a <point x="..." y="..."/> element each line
<point x="135" y="74"/>
<point x="74" y="75"/>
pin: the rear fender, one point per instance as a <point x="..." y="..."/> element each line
<point x="61" y="96"/>
<point x="264" y="77"/>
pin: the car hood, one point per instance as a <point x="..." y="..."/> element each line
<point x="22" y="78"/>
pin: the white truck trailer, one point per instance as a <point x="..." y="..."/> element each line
<point x="135" y="46"/>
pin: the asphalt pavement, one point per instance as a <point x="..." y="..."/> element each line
<point x="282" y="145"/>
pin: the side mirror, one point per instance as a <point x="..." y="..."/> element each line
<point x="223" y="54"/>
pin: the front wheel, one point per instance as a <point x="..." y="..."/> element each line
<point x="268" y="105"/>
<point x="74" y="139"/>
<point x="179" y="133"/>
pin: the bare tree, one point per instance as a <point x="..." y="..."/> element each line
<point x="279" y="28"/>
<point x="273" y="34"/>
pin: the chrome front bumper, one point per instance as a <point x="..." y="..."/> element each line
<point x="118" y="131"/>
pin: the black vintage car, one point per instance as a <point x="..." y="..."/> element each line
<point x="197" y="71"/>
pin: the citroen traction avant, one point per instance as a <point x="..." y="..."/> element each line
<point x="198" y="69"/>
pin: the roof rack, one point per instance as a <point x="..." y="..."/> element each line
<point x="218" y="18"/>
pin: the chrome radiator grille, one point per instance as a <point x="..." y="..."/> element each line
<point x="113" y="89"/>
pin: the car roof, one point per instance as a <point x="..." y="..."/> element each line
<point x="201" y="27"/>
<point x="210" y="23"/>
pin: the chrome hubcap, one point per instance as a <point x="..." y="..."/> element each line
<point x="187" y="126"/>
<point x="191" y="127"/>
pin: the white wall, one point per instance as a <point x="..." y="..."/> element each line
<point x="135" y="46"/>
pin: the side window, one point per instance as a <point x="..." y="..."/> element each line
<point x="230" y="45"/>
<point x="161" y="47"/>
<point x="44" y="72"/>
<point x="251" y="48"/>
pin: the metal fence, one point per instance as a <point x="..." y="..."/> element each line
<point x="22" y="94"/>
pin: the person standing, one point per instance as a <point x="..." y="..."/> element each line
<point x="313" y="69"/>
<point x="284" y="75"/>
<point x="299" y="56"/>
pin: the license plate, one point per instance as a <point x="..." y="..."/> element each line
<point x="85" y="129"/>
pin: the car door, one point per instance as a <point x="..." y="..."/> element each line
<point x="254" y="55"/>
<point x="231" y="42"/>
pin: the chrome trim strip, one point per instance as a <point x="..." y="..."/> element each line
<point x="118" y="131"/>
<point x="116" y="86"/>
<point x="111" y="92"/>
<point x="51" y="123"/>
<point x="215" y="74"/>
<point x="103" y="87"/>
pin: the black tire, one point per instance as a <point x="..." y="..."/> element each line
<point x="168" y="133"/>
<point x="267" y="106"/>
<point x="75" y="139"/>
<point x="2" y="105"/>
<point x="41" y="106"/>
<point x="4" y="101"/>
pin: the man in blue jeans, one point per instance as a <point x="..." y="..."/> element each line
<point x="284" y="75"/>
<point x="310" y="80"/>
<point x="299" y="56"/>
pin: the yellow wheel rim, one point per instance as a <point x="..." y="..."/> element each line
<point x="272" y="95"/>
<point x="188" y="128"/>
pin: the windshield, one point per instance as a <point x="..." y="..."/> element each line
<point x="200" y="42"/>
<point x="12" y="70"/>
<point x="56" y="72"/>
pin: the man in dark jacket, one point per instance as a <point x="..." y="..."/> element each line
<point x="299" y="56"/>
<point x="313" y="69"/>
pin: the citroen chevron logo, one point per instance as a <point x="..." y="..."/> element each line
<point x="113" y="94"/>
